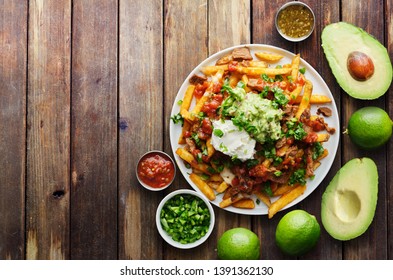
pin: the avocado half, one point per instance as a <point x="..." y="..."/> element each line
<point x="349" y="202"/>
<point x="359" y="62"/>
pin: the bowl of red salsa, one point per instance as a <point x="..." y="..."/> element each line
<point x="155" y="170"/>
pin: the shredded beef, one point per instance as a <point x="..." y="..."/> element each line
<point x="196" y="79"/>
<point x="241" y="54"/>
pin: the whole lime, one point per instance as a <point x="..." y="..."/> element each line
<point x="297" y="232"/>
<point x="238" y="244"/>
<point x="370" y="127"/>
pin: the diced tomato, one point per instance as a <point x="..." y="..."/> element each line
<point x="200" y="89"/>
<point x="300" y="80"/>
<point x="195" y="152"/>
<point x="283" y="85"/>
<point x="216" y="87"/>
<point x="235" y="181"/>
<point x="232" y="66"/>
<point x="317" y="126"/>
<point x="290" y="141"/>
<point x="312" y="137"/>
<point x="210" y="107"/>
<point x="187" y="134"/>
<point x="207" y="126"/>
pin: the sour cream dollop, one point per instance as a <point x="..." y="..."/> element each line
<point x="230" y="140"/>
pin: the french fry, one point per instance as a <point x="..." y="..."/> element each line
<point x="222" y="187"/>
<point x="210" y="148"/>
<point x="257" y="71"/>
<point x="256" y="63"/>
<point x="316" y="164"/>
<point x="314" y="99"/>
<point x="224" y="60"/>
<point x="194" y="113"/>
<point x="281" y="151"/>
<point x="186" y="127"/>
<point x="285" y="199"/>
<point x="323" y="137"/>
<point x="185" y="105"/>
<point x="324" y="154"/>
<point x="245" y="81"/>
<point x="308" y="87"/>
<point x="282" y="189"/>
<point x="263" y="197"/>
<point x="246" y="203"/>
<point x="211" y="70"/>
<point x="295" y="67"/>
<point x="295" y="94"/>
<point x="215" y="178"/>
<point x="203" y="186"/>
<point x="269" y="57"/>
<point x="230" y="200"/>
<point x="227" y="193"/>
<point x="188" y="157"/>
<point x="213" y="185"/>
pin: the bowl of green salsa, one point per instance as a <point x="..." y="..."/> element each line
<point x="295" y="21"/>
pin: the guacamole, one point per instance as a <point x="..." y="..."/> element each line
<point x="259" y="118"/>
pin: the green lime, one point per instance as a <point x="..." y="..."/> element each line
<point x="297" y="232"/>
<point x="238" y="244"/>
<point x="370" y="127"/>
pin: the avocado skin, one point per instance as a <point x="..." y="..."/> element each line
<point x="338" y="41"/>
<point x="358" y="180"/>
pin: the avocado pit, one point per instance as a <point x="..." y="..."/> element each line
<point x="360" y="66"/>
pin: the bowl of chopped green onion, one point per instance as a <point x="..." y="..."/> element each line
<point x="185" y="218"/>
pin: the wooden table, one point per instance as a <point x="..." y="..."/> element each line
<point x="86" y="87"/>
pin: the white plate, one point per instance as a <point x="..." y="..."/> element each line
<point x="319" y="87"/>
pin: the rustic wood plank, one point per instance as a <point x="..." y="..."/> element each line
<point x="263" y="24"/>
<point x="48" y="155"/>
<point x="367" y="246"/>
<point x="140" y="124"/>
<point x="229" y="24"/>
<point x="325" y="12"/>
<point x="94" y="130"/>
<point x="233" y="30"/>
<point x="389" y="109"/>
<point x="185" y="46"/>
<point x="264" y="32"/>
<point x="13" y="58"/>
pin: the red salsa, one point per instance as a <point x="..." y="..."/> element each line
<point x="156" y="170"/>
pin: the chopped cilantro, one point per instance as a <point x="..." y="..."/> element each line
<point x="196" y="139"/>
<point x="251" y="163"/>
<point x="279" y="96"/>
<point x="177" y="119"/>
<point x="267" y="189"/>
<point x="265" y="91"/>
<point x="266" y="78"/>
<point x="295" y="129"/>
<point x="298" y="177"/>
<point x="317" y="150"/>
<point x="278" y="173"/>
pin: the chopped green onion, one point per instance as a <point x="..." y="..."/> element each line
<point x="218" y="132"/>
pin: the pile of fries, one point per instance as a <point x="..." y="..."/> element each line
<point x="294" y="159"/>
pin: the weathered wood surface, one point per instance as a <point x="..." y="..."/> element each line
<point x="13" y="58"/>
<point x="86" y="87"/>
